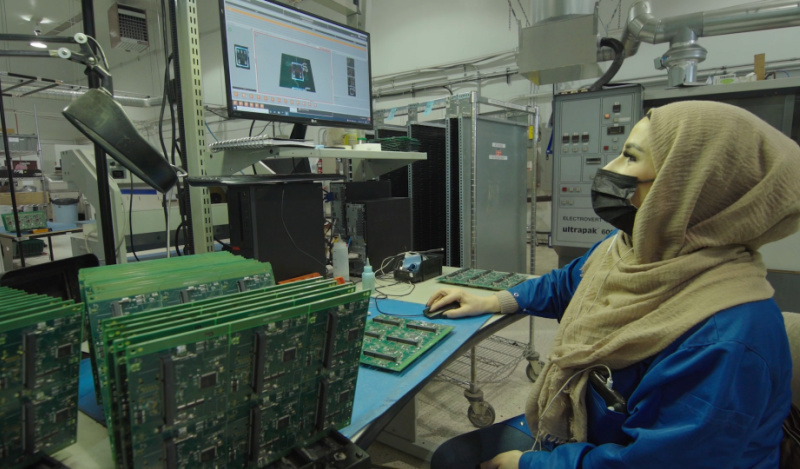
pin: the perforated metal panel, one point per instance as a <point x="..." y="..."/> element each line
<point x="428" y="192"/>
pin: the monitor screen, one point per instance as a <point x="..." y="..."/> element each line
<point x="288" y="65"/>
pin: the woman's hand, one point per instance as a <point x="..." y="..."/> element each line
<point x="507" y="460"/>
<point x="471" y="305"/>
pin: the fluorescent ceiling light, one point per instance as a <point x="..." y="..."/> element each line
<point x="40" y="45"/>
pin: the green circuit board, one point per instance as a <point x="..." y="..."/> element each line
<point x="122" y="289"/>
<point x="27" y="221"/>
<point x="39" y="367"/>
<point x="482" y="278"/>
<point x="393" y="343"/>
<point x="125" y="332"/>
<point x="235" y="381"/>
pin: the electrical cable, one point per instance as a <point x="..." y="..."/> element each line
<point x="210" y="132"/>
<point x="130" y="219"/>
<point x="619" y="57"/>
<point x="177" y="246"/>
<point x="286" y="228"/>
<point x="102" y="53"/>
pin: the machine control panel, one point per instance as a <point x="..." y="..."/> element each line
<point x="593" y="127"/>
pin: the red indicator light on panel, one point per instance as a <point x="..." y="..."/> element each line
<point x="563" y="189"/>
<point x="605" y="147"/>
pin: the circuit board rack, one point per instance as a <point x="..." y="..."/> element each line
<point x="483" y="278"/>
<point x="122" y="289"/>
<point x="231" y="381"/>
<point x="40" y="339"/>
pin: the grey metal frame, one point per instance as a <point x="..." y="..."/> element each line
<point x="192" y="101"/>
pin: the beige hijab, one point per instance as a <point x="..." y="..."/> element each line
<point x="726" y="184"/>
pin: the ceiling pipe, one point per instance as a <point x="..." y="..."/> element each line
<point x="682" y="32"/>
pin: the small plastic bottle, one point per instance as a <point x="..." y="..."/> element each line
<point x="341" y="263"/>
<point x="367" y="278"/>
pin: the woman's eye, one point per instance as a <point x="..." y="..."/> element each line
<point x="629" y="156"/>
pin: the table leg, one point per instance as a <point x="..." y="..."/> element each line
<point x="50" y="245"/>
<point x="21" y="254"/>
<point x="7" y="255"/>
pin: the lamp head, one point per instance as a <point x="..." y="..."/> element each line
<point x="105" y="123"/>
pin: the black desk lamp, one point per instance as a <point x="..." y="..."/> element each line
<point x="103" y="120"/>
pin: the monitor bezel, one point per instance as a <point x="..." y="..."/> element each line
<point x="307" y="121"/>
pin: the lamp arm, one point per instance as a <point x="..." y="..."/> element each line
<point x="85" y="57"/>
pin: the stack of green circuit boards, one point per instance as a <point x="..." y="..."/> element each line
<point x="481" y="278"/>
<point x="232" y="381"/>
<point x="121" y="289"/>
<point x="40" y="339"/>
<point x="393" y="343"/>
<point x="27" y="221"/>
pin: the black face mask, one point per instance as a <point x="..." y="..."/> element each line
<point x="611" y="199"/>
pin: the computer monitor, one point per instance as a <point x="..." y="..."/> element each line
<point x="287" y="65"/>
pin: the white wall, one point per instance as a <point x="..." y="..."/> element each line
<point x="407" y="36"/>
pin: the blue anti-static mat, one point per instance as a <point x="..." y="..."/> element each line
<point x="377" y="389"/>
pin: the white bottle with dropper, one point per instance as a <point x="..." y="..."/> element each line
<point x="367" y="278"/>
<point x="341" y="263"/>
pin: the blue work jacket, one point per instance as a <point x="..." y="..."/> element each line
<point x="714" y="398"/>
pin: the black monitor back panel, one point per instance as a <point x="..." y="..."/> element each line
<point x="385" y="225"/>
<point x="281" y="224"/>
<point x="346" y="192"/>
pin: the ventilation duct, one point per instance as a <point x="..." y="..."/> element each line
<point x="128" y="28"/>
<point x="562" y="43"/>
<point x="682" y="32"/>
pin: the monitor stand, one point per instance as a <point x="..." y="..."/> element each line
<point x="298" y="132"/>
<point x="291" y="165"/>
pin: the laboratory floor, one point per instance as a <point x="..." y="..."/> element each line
<point x="441" y="406"/>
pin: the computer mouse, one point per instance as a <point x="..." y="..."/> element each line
<point x="439" y="312"/>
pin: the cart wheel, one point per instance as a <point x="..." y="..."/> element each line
<point x="533" y="370"/>
<point x="483" y="417"/>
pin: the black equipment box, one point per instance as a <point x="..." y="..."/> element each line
<point x="379" y="229"/>
<point x="413" y="271"/>
<point x="279" y="223"/>
<point x="334" y="451"/>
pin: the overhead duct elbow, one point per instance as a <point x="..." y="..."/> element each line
<point x="683" y="31"/>
<point x="641" y="26"/>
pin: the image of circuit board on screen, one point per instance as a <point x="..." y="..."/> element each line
<point x="394" y="343"/>
<point x="481" y="278"/>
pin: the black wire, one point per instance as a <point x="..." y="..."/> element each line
<point x="166" y="217"/>
<point x="385" y="296"/>
<point x="250" y="134"/>
<point x="224" y="244"/>
<point x="178" y="230"/>
<point x="130" y="219"/>
<point x="265" y="128"/>
<point x="324" y="267"/>
<point x="164" y="99"/>
<point x="619" y="57"/>
<point x="212" y="111"/>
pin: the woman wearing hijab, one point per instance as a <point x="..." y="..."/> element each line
<point x="670" y="351"/>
